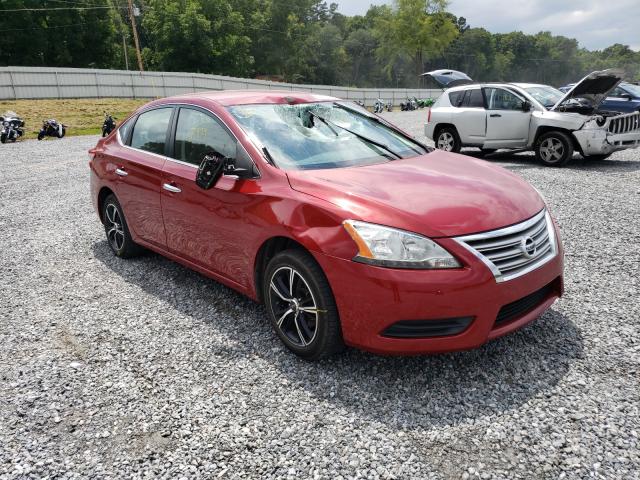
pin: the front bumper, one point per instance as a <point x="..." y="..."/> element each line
<point x="371" y="299"/>
<point x="617" y="133"/>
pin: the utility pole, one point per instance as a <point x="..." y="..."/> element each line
<point x="135" y="34"/>
<point x="124" y="49"/>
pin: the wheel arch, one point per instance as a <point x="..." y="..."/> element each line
<point x="266" y="252"/>
<point x="541" y="130"/>
<point x="102" y="195"/>
<point x="440" y="126"/>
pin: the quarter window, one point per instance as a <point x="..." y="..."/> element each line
<point x="456" y="98"/>
<point x="198" y="134"/>
<point x="500" y="99"/>
<point x="150" y="130"/>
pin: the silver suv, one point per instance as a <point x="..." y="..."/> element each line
<point x="527" y="116"/>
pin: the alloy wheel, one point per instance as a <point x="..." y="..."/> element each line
<point x="446" y="141"/>
<point x="293" y="306"/>
<point x="551" y="150"/>
<point x="115" y="228"/>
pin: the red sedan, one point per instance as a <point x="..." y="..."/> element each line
<point x="349" y="230"/>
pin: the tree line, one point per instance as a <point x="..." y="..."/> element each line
<point x="301" y="41"/>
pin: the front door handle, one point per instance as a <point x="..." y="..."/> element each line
<point x="171" y="188"/>
<point x="121" y="172"/>
<point x="493" y="115"/>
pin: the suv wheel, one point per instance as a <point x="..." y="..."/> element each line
<point x="554" y="149"/>
<point x="448" y="140"/>
<point x="115" y="226"/>
<point x="301" y="306"/>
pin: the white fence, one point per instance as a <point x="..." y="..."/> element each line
<point x="41" y="82"/>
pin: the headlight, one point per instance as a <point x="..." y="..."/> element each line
<point x="390" y="247"/>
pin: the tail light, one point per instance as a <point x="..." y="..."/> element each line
<point x="429" y="116"/>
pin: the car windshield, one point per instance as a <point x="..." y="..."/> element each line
<point x="322" y="135"/>
<point x="632" y="89"/>
<point x="547" y="96"/>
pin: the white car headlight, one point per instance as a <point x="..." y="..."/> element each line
<point x="390" y="247"/>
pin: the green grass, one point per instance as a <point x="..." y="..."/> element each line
<point x="82" y="116"/>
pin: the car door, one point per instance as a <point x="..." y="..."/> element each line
<point x="619" y="100"/>
<point x="507" y="122"/>
<point x="206" y="227"/>
<point x="138" y="167"/>
<point x="470" y="116"/>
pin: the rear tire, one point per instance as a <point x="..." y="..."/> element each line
<point x="554" y="149"/>
<point x="447" y="139"/>
<point x="117" y="230"/>
<point x="40" y="135"/>
<point x="64" y="131"/>
<point x="3" y="138"/>
<point x="301" y="306"/>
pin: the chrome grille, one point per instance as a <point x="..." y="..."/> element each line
<point x="513" y="251"/>
<point x="625" y="123"/>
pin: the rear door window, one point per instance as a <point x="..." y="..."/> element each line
<point x="150" y="130"/>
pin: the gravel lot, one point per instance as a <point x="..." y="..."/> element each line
<point x="142" y="368"/>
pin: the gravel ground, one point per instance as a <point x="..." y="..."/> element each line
<point x="142" y="368"/>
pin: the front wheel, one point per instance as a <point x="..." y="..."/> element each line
<point x="301" y="306"/>
<point x="40" y="135"/>
<point x="117" y="230"/>
<point x="554" y="149"/>
<point x="3" y="138"/>
<point x="448" y="140"/>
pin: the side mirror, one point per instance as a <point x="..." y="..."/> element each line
<point x="526" y="106"/>
<point x="626" y="95"/>
<point x="210" y="170"/>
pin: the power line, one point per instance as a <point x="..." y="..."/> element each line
<point x="45" y="28"/>
<point x="15" y="10"/>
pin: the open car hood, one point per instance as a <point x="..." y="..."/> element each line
<point x="448" y="78"/>
<point x="594" y="88"/>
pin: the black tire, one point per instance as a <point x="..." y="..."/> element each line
<point x="310" y="335"/>
<point x="597" y="157"/>
<point x="554" y="149"/>
<point x="40" y="135"/>
<point x="488" y="151"/>
<point x="3" y="138"/>
<point x="447" y="139"/>
<point x="117" y="230"/>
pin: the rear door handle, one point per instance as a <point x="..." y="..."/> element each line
<point x="171" y="188"/>
<point x="121" y="172"/>
<point x="493" y="115"/>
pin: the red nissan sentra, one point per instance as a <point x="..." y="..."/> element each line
<point x="348" y="229"/>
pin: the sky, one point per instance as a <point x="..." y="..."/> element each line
<point x="596" y="24"/>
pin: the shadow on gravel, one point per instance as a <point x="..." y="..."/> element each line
<point x="527" y="161"/>
<point x="406" y="392"/>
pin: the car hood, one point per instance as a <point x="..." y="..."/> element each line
<point x="594" y="87"/>
<point x="439" y="194"/>
<point x="448" y="78"/>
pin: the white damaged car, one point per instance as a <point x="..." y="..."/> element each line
<point x="527" y="116"/>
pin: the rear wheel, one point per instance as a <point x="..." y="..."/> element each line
<point x="301" y="306"/>
<point x="3" y="138"/>
<point x="554" y="149"/>
<point x="117" y="230"/>
<point x="62" y="133"/>
<point x="447" y="139"/>
<point x="40" y="135"/>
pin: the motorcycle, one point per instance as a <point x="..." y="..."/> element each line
<point x="410" y="104"/>
<point x="52" y="128"/>
<point x="108" y="125"/>
<point x="425" y="102"/>
<point x="378" y="107"/>
<point x="11" y="127"/>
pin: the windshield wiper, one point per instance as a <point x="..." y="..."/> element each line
<point x="373" y="118"/>
<point x="355" y="134"/>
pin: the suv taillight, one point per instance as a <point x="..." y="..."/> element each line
<point x="429" y="116"/>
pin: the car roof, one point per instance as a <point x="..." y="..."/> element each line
<point x="495" y="84"/>
<point x="247" y="97"/>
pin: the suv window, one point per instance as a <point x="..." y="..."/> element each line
<point x="617" y="92"/>
<point x="150" y="130"/>
<point x="474" y="99"/>
<point x="500" y="99"/>
<point x="198" y="134"/>
<point x="456" y="97"/>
